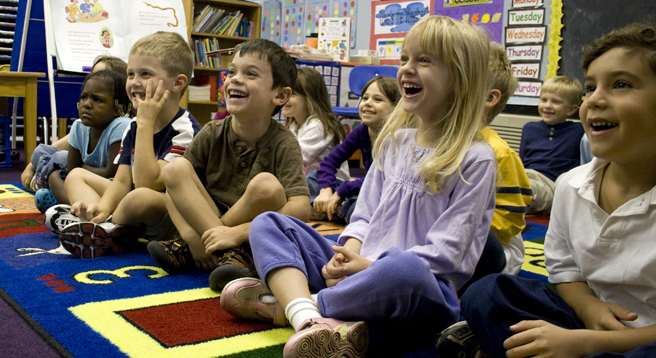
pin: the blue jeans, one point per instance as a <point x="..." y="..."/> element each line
<point x="46" y="159"/>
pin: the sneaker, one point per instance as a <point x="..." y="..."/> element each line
<point x="88" y="240"/>
<point x="459" y="341"/>
<point x="173" y="255"/>
<point x="233" y="264"/>
<point x="58" y="217"/>
<point x="243" y="298"/>
<point x="44" y="199"/>
<point x="327" y="337"/>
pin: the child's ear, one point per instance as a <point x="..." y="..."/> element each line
<point x="283" y="96"/>
<point x="572" y="110"/>
<point x="180" y="83"/>
<point x="492" y="98"/>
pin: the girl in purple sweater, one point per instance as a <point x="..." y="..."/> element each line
<point x="418" y="230"/>
<point x="330" y="197"/>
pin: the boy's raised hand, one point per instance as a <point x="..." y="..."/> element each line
<point x="148" y="109"/>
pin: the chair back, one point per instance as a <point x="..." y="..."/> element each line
<point x="361" y="74"/>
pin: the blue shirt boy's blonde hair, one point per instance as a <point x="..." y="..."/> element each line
<point x="569" y="88"/>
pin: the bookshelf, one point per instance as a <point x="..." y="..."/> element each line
<point x="248" y="12"/>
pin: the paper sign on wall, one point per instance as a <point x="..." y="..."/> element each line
<point x="335" y="36"/>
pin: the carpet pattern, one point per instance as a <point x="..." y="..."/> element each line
<point x="125" y="305"/>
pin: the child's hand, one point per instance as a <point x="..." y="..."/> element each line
<point x="27" y="175"/>
<point x="605" y="316"/>
<point x="204" y="261"/>
<point x="542" y="339"/>
<point x="219" y="238"/>
<point x="149" y="108"/>
<point x="327" y="202"/>
<point x="345" y="263"/>
<point x="92" y="212"/>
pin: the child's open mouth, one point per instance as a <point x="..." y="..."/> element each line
<point x="602" y="126"/>
<point x="233" y="94"/>
<point x="411" y="90"/>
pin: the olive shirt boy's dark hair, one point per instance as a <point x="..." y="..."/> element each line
<point x="283" y="67"/>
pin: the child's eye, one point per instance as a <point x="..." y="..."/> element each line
<point x="251" y="73"/>
<point x="425" y="60"/>
<point x="622" y="84"/>
<point x="590" y="88"/>
<point x="231" y="72"/>
<point x="404" y="59"/>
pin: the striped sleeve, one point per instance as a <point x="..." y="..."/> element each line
<point x="185" y="128"/>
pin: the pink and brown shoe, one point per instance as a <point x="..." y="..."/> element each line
<point x="243" y="298"/>
<point x="328" y="338"/>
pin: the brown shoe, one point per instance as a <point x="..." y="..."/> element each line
<point x="173" y="255"/>
<point x="233" y="264"/>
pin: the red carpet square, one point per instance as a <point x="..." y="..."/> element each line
<point x="190" y="322"/>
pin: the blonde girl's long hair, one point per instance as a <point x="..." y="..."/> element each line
<point x="464" y="49"/>
<point x="310" y="84"/>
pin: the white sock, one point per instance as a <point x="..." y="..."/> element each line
<point x="315" y="299"/>
<point x="300" y="309"/>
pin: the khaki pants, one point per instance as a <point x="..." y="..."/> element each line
<point x="543" y="192"/>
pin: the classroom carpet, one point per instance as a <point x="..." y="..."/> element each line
<point x="125" y="305"/>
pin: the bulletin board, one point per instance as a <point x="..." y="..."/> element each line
<point x="390" y="22"/>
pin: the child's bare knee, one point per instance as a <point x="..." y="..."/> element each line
<point x="172" y="172"/>
<point x="265" y="187"/>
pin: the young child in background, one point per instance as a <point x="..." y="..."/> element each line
<point x="550" y="147"/>
<point x="602" y="226"/>
<point x="399" y="273"/>
<point x="94" y="138"/>
<point x="235" y="169"/>
<point x="51" y="160"/>
<point x="332" y="197"/>
<point x="159" y="66"/>
<point x="309" y="116"/>
<point x="514" y="193"/>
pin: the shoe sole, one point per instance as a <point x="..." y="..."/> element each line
<point x="328" y="343"/>
<point x="89" y="240"/>
<point x="224" y="274"/>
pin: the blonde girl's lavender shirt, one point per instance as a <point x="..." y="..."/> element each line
<point x="448" y="229"/>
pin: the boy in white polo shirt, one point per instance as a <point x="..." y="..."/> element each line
<point x="600" y="244"/>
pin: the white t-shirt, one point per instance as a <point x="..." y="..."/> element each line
<point x="615" y="254"/>
<point x="314" y="146"/>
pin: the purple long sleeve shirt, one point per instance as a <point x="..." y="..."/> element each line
<point x="448" y="229"/>
<point x="357" y="139"/>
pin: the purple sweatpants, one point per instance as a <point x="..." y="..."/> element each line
<point x="397" y="289"/>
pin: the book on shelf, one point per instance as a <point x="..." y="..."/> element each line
<point x="216" y="21"/>
<point x="199" y="93"/>
<point x="201" y="47"/>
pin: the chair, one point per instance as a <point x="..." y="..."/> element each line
<point x="359" y="77"/>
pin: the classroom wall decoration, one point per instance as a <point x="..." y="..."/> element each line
<point x="390" y="21"/>
<point x="484" y="13"/>
<point x="316" y="10"/>
<point x="334" y="37"/>
<point x="271" y="20"/>
<point x="525" y="36"/>
<point x="293" y="23"/>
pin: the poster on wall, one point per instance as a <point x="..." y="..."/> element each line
<point x="487" y="14"/>
<point x="83" y="31"/>
<point x="335" y="37"/>
<point x="390" y="21"/>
